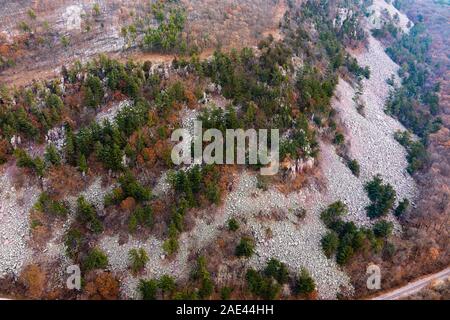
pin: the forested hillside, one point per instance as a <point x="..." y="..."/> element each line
<point x="90" y="94"/>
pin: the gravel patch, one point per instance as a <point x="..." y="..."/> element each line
<point x="95" y="194"/>
<point x="111" y="113"/>
<point x="162" y="186"/>
<point x="158" y="265"/>
<point x="188" y="116"/>
<point x="294" y="242"/>
<point x="15" y="205"/>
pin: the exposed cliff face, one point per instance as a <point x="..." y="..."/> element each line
<point x="39" y="36"/>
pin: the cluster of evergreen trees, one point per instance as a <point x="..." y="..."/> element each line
<point x="130" y="188"/>
<point x="193" y="186"/>
<point x="267" y="283"/>
<point x="260" y="85"/>
<point x="345" y="239"/>
<point x="170" y="17"/>
<point x="107" y="140"/>
<point x="30" y="112"/>
<point x="416" y="102"/>
<point x="199" y="286"/>
<point x="417" y="153"/>
<point x="382" y="196"/>
<point x="50" y="206"/>
<point x="167" y="36"/>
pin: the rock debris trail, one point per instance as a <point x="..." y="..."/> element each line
<point x="15" y="205"/>
<point x="371" y="136"/>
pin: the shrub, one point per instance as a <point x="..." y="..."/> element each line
<point x="148" y="289"/>
<point x="194" y="183"/>
<point x="171" y="245"/>
<point x="354" y="167"/>
<point x="167" y="284"/>
<point x="130" y="187"/>
<point x="225" y="293"/>
<point x="305" y="284"/>
<point x="300" y="213"/>
<point x="96" y="9"/>
<point x="24" y="26"/>
<point x="383" y="229"/>
<point x="52" y="155"/>
<point x="245" y="248"/>
<point x="277" y="270"/>
<point x="141" y="216"/>
<point x="65" y="41"/>
<point x="105" y="286"/>
<point x="96" y="259"/>
<point x="315" y="92"/>
<point x="339" y="139"/>
<point x="344" y="253"/>
<point x="233" y="224"/>
<point x="264" y="287"/>
<point x="382" y="196"/>
<point x="35" y="280"/>
<point x="73" y="240"/>
<point x="202" y="275"/>
<point x="54" y="102"/>
<point x="49" y="206"/>
<point x="88" y="215"/>
<point x="93" y="91"/>
<point x="354" y="68"/>
<point x="24" y="160"/>
<point x="212" y="193"/>
<point x="138" y="259"/>
<point x="401" y="208"/>
<point x="186" y="294"/>
<point x="31" y="14"/>
<point x="333" y="213"/>
<point x="4" y="151"/>
<point x="262" y="183"/>
<point x="389" y="250"/>
<point x="417" y="153"/>
<point x="330" y="243"/>
<point x="167" y="36"/>
<point x="39" y="167"/>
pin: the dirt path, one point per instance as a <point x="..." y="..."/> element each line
<point x="414" y="287"/>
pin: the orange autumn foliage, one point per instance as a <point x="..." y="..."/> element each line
<point x="191" y="99"/>
<point x="129" y="204"/>
<point x="63" y="180"/>
<point x="162" y="149"/>
<point x="149" y="155"/>
<point x="4" y="148"/>
<point x="104" y="287"/>
<point x="34" y="280"/>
